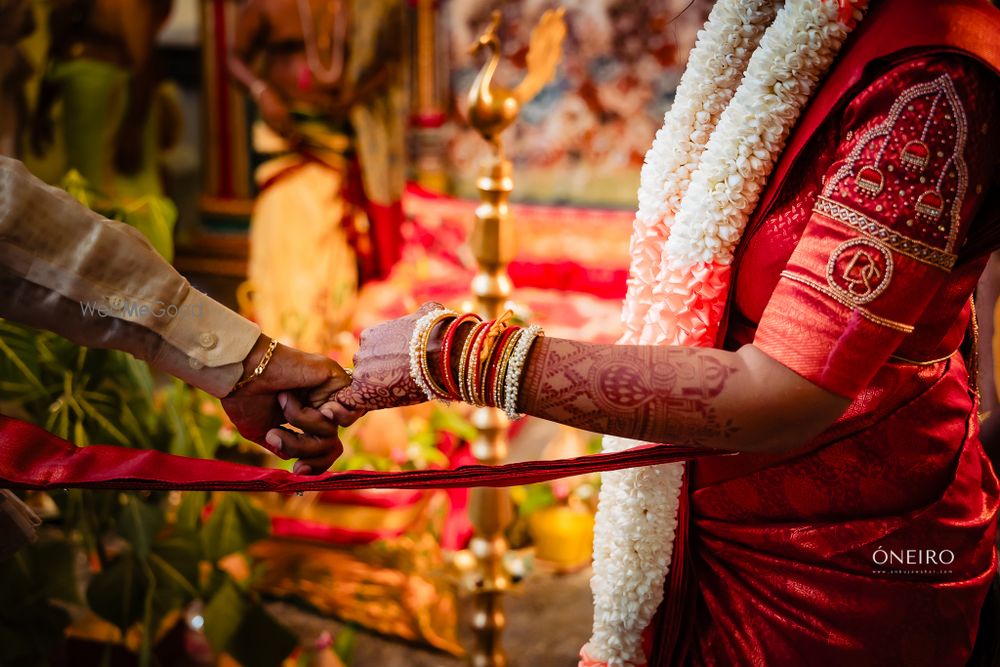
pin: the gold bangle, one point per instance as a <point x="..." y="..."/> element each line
<point x="491" y="353"/>
<point x="261" y="367"/>
<point x="496" y="328"/>
<point x="462" y="380"/>
<point x="425" y="365"/>
<point x="476" y="369"/>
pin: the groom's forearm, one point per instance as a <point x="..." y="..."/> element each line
<point x="101" y="284"/>
<point x="739" y="401"/>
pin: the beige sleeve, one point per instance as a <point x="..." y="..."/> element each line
<point x="100" y="283"/>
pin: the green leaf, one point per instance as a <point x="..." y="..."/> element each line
<point x="235" y="523"/>
<point x="449" y="421"/>
<point x="136" y="432"/>
<point x="150" y="619"/>
<point x="103" y="421"/>
<point x="154" y="217"/>
<point x="175" y="562"/>
<point x="223" y="615"/>
<point x="118" y="593"/>
<point x="77" y="186"/>
<point x="80" y="434"/>
<point x="193" y="433"/>
<point x="55" y="565"/>
<point x="537" y="496"/>
<point x="18" y="363"/>
<point x="190" y="509"/>
<point x="138" y="521"/>
<point x="141" y="378"/>
<point x="345" y="644"/>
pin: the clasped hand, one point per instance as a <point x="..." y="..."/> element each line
<point x="316" y="396"/>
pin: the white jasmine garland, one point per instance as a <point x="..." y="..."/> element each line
<point x="709" y="166"/>
<point x="781" y="76"/>
<point x="714" y="71"/>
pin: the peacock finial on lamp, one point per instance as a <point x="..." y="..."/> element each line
<point x="492" y="108"/>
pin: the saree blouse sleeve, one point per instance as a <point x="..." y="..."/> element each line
<point x="893" y="210"/>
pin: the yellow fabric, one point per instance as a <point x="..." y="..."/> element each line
<point x="378" y="123"/>
<point x="302" y="268"/>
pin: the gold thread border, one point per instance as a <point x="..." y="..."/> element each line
<point x="864" y="312"/>
<point x="877" y="231"/>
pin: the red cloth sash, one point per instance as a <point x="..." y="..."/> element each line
<point x="32" y="458"/>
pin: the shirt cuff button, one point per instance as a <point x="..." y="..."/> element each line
<point x="208" y="340"/>
<point x="195" y="364"/>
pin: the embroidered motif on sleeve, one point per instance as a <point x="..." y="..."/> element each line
<point x="905" y="179"/>
<point x="860" y="269"/>
<point x="873" y="228"/>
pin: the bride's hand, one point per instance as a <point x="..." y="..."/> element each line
<point x="381" y="371"/>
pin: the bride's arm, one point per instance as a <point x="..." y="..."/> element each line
<point x="741" y="401"/>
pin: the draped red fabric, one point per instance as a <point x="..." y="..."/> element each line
<point x="32" y="458"/>
<point x="385" y="231"/>
<point x="835" y="554"/>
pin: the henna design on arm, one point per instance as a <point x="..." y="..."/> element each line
<point x="657" y="394"/>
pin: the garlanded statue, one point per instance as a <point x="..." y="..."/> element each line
<point x="327" y="78"/>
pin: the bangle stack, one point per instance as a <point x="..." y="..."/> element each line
<point x="490" y="362"/>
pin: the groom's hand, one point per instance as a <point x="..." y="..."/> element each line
<point x="260" y="408"/>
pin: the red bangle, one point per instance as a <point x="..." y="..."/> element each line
<point x="486" y="357"/>
<point x="447" y="378"/>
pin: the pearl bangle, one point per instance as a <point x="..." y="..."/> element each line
<point x="512" y="382"/>
<point x="418" y="352"/>
<point x="499" y="382"/>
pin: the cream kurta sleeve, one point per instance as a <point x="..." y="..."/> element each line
<point x="99" y="283"/>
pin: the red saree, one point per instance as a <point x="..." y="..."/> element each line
<point x="873" y="544"/>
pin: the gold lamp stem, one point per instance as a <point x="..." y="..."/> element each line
<point x="490" y="509"/>
<point x="491" y="110"/>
